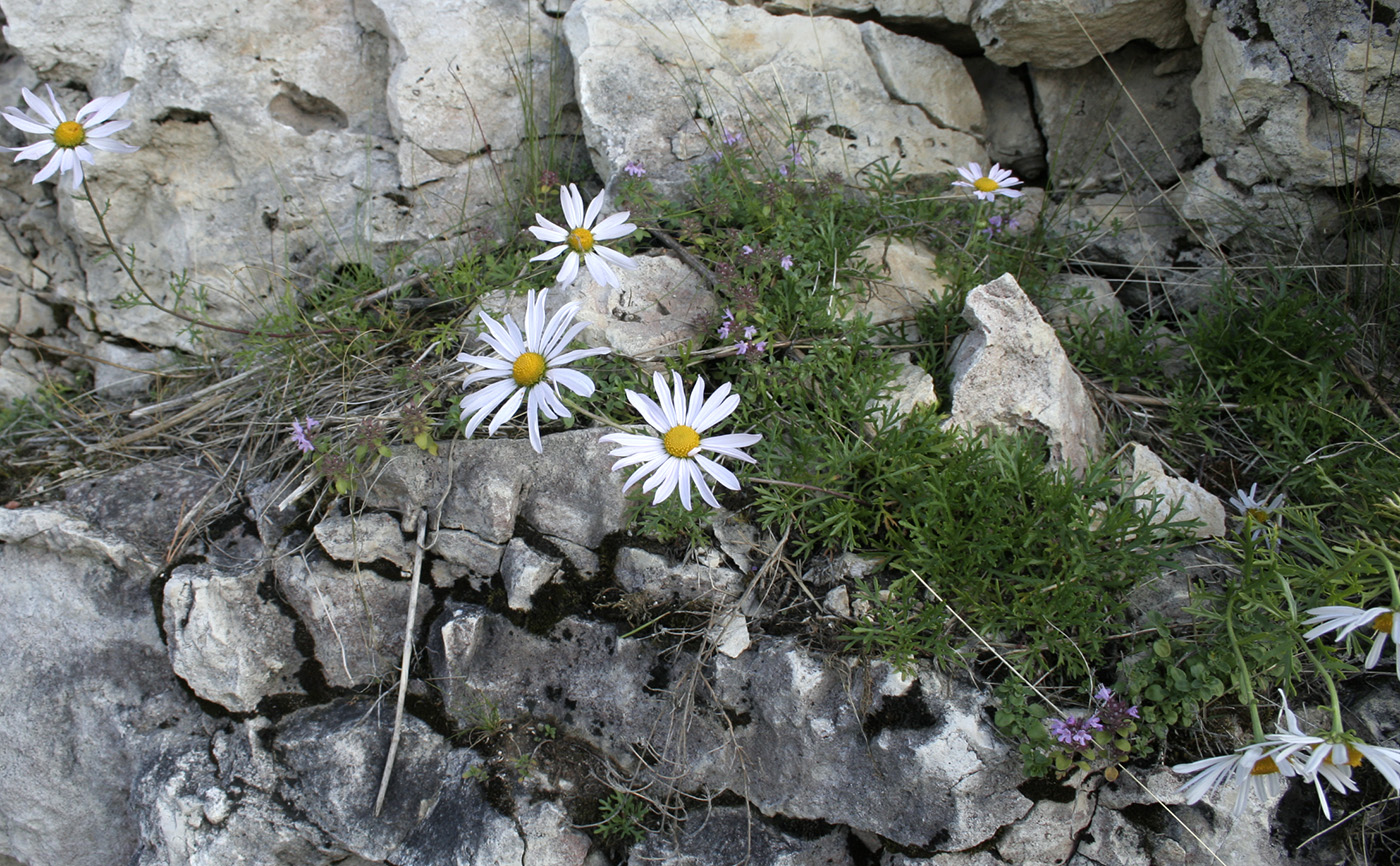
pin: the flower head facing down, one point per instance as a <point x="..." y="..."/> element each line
<point x="997" y="181"/>
<point x="530" y="368"/>
<point x="582" y="239"/>
<point x="1344" y="619"/>
<point x="68" y="140"/>
<point x="299" y="433"/>
<point x="1256" y="512"/>
<point x="676" y="459"/>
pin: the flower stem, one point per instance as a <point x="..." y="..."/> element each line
<point x="1337" y="727"/>
<point x="1246" y="683"/>
<point x="601" y="419"/>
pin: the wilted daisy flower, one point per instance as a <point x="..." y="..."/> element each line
<point x="1345" y="619"/>
<point x="68" y="140"/>
<point x="987" y="186"/>
<point x="532" y="365"/>
<point x="581" y="239"/>
<point x="676" y="458"/>
<point x="1261" y="515"/>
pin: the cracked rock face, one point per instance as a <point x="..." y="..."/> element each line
<point x="757" y="73"/>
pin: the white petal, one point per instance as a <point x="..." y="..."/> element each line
<point x="112" y="145"/>
<point x="482" y="402"/>
<point x="600" y="272"/>
<point x="614" y="257"/>
<point x="507" y="411"/>
<point x="573" y="380"/>
<point x="572" y="203"/>
<point x="569" y="272"/>
<point x="53" y="165"/>
<point x="615" y="226"/>
<point x="717" y="472"/>
<point x="570" y="357"/>
<point x="551" y="253"/>
<point x="102" y="108"/>
<point x="35" y="150"/>
<point x="716" y="411"/>
<point x="593" y="208"/>
<point x="705" y="492"/>
<point x="651" y="412"/>
<point x="48" y="114"/>
<point x="532" y="414"/>
<point x="26" y="123"/>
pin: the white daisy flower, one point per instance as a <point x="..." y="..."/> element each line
<point x="68" y="140"/>
<point x="1348" y="752"/>
<point x="987" y="186"/>
<point x="532" y="365"/>
<point x="1298" y="748"/>
<point x="676" y="459"/>
<point x="1249" y="768"/>
<point x="1345" y="619"/>
<point x="581" y="239"/>
<point x="1254" y="511"/>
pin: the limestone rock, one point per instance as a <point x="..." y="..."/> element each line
<point x="460" y="547"/>
<point x="1013" y="138"/>
<point x="907" y="283"/>
<point x="215" y="802"/>
<point x="365" y="538"/>
<point x="929" y="76"/>
<point x="742" y="69"/>
<point x="1049" y="833"/>
<point x="641" y="571"/>
<point x="1194" y="502"/>
<point x="1337" y="50"/>
<point x="124" y="372"/>
<point x="911" y="389"/>
<point x="356" y="618"/>
<point x="1263" y="217"/>
<point x="809" y="751"/>
<point x="570" y="494"/>
<point x="1263" y="125"/>
<point x="151" y="502"/>
<point x="524" y="571"/>
<point x="659" y="306"/>
<point x="1051" y="33"/>
<point x="86" y="686"/>
<point x="1093" y="117"/>
<point x="337" y="753"/>
<point x="711" y="839"/>
<point x="1010" y="372"/>
<point x="230" y="645"/>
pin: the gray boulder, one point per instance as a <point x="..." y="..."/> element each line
<point x="85" y="686"/>
<point x="1010" y="372"/>
<point x="230" y="644"/>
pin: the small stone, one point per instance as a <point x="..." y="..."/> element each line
<point x="365" y="538"/>
<point x="524" y="571"/>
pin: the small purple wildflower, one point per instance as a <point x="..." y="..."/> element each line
<point x="1074" y="731"/>
<point x="786" y="262"/>
<point x="1115" y="711"/>
<point x="741" y="348"/>
<point x="763" y="344"/>
<point x="724" y="329"/>
<point x="749" y="331"/>
<point x="635" y="168"/>
<point x="746" y="250"/>
<point x="783" y="169"/>
<point x="299" y="431"/>
<point x="731" y="138"/>
<point x="796" y="153"/>
<point x="1103" y="694"/>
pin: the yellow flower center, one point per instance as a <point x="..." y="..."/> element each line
<point x="1264" y="766"/>
<point x="680" y="441"/>
<point x="581" y="240"/>
<point x="1258" y="515"/>
<point x="1384" y="622"/>
<point x="986" y="184"/>
<point x="528" y="369"/>
<point x="1354" y="758"/>
<point x="69" y="134"/>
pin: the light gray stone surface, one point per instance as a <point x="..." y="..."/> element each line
<point x="365" y="538"/>
<point x="525" y="571"/>
<point x="741" y="69"/>
<point x="1010" y="372"/>
<point x="231" y="645"/>
<point x="86" y="692"/>
<point x="355" y="616"/>
<point x="1059" y="35"/>
<point x="656" y="575"/>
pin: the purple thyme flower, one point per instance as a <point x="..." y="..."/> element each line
<point x="731" y="138"/>
<point x="741" y="348"/>
<point x="635" y="168"/>
<point x="760" y="346"/>
<point x="783" y="169"/>
<point x="746" y="250"/>
<point x="796" y="153"/>
<point x="1103" y="694"/>
<point x="786" y="262"/>
<point x="1073" y="731"/>
<point x="299" y="431"/>
<point x="749" y="331"/>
